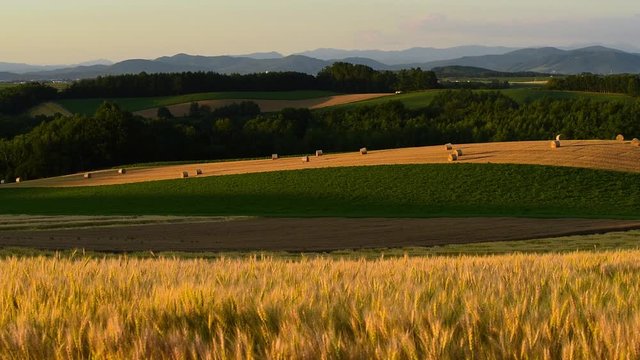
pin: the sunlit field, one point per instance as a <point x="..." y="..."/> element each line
<point x="577" y="305"/>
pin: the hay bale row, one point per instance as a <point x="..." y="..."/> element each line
<point x="318" y="152"/>
<point x="274" y="156"/>
<point x="363" y="151"/>
<point x="555" y="144"/>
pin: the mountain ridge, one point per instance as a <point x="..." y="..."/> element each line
<point x="594" y="59"/>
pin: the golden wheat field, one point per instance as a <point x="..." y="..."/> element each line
<point x="595" y="154"/>
<point x="572" y="306"/>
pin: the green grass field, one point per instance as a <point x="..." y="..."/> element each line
<point x="522" y="95"/>
<point x="89" y="106"/>
<point x="380" y="191"/>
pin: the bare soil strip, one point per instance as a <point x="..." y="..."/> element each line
<point x="297" y="235"/>
<point x="267" y="105"/>
<point x="44" y="222"/>
<point x="596" y="154"/>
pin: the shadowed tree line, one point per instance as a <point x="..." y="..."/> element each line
<point x="114" y="137"/>
<point x="622" y="84"/>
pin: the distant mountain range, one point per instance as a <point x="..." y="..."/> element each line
<point x="408" y="56"/>
<point x="594" y="59"/>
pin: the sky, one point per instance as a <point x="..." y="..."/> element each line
<point x="72" y="31"/>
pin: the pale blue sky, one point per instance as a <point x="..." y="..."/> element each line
<point x="68" y="31"/>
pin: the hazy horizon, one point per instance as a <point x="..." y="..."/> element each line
<point x="74" y="31"/>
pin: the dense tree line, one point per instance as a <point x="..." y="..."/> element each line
<point x="340" y="77"/>
<point x="17" y="99"/>
<point x="623" y="84"/>
<point x="113" y="137"/>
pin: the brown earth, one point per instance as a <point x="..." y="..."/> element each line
<point x="316" y="234"/>
<point x="597" y="154"/>
<point x="267" y="105"/>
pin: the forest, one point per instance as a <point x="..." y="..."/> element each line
<point x="622" y="84"/>
<point x="113" y="137"/>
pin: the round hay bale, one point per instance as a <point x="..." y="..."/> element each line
<point x="1" y="182"/>
<point x="620" y="137"/>
<point x="558" y="137"/>
<point x="198" y="171"/>
<point x="18" y="179"/>
<point x="635" y="142"/>
<point x="185" y="174"/>
<point x="363" y="151"/>
<point x="305" y="159"/>
<point x="87" y="175"/>
<point x="453" y="157"/>
<point x="274" y="156"/>
<point x="318" y="152"/>
<point x="458" y="152"/>
<point x="122" y="171"/>
<point x="448" y="146"/>
<point x="555" y="144"/>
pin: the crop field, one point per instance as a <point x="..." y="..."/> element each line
<point x="89" y="106"/>
<point x="426" y="190"/>
<point x="596" y="154"/>
<point x="310" y="235"/>
<point x="578" y="305"/>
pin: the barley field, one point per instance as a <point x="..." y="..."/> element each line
<point x="577" y="305"/>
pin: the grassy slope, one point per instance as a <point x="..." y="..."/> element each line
<point x="380" y="191"/>
<point x="522" y="95"/>
<point x="89" y="106"/>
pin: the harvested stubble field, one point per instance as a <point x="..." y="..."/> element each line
<point x="594" y="154"/>
<point x="579" y="305"/>
<point x="133" y="234"/>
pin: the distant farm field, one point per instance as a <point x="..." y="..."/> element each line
<point x="578" y="305"/>
<point x="89" y="106"/>
<point x="371" y="191"/>
<point x="416" y="100"/>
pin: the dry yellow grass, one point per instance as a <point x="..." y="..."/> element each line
<point x="597" y="154"/>
<point x="49" y="109"/>
<point x="576" y="306"/>
<point x="268" y="105"/>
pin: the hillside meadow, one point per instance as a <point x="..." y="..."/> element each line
<point x="370" y="191"/>
<point x="522" y="95"/>
<point x="89" y="106"/>
<point x="578" y="305"/>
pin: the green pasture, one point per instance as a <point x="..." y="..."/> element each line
<point x="522" y="95"/>
<point x="431" y="190"/>
<point x="89" y="106"/>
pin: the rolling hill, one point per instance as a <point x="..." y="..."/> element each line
<point x="595" y="59"/>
